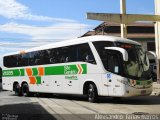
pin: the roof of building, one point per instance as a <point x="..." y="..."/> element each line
<point x="134" y="30"/>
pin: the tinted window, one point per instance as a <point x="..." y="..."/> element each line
<point x="100" y="45"/>
<point x="10" y="61"/>
<point x="23" y="60"/>
<point x="85" y="54"/>
<point x="66" y="54"/>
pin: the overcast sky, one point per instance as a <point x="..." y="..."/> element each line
<point x="29" y="23"/>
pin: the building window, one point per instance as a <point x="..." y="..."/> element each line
<point x="151" y="46"/>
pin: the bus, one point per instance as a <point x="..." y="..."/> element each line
<point x="92" y="66"/>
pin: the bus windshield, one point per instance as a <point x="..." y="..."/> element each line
<point x="137" y="66"/>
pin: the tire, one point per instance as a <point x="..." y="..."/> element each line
<point x="116" y="98"/>
<point x="25" y="90"/>
<point x="17" y="89"/>
<point x="92" y="93"/>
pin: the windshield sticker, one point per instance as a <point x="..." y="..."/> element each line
<point x="116" y="69"/>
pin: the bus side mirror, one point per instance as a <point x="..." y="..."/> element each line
<point x="121" y="50"/>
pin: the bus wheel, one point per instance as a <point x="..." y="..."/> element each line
<point x="17" y="89"/>
<point x="92" y="93"/>
<point x="25" y="90"/>
<point x="116" y="98"/>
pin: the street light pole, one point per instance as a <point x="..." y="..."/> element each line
<point x="123" y="12"/>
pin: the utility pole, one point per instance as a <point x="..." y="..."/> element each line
<point x="157" y="38"/>
<point x="123" y="12"/>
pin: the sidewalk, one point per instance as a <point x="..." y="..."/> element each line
<point x="156" y="89"/>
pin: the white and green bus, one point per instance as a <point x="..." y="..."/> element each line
<point x="93" y="66"/>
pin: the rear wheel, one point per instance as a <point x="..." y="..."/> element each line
<point x="25" y="90"/>
<point x="92" y="93"/>
<point x="17" y="89"/>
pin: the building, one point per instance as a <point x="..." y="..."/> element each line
<point x="142" y="32"/>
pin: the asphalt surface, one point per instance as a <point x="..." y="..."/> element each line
<point x="24" y="111"/>
<point x="21" y="108"/>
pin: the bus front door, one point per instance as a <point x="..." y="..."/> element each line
<point x="113" y="66"/>
<point x="114" y="86"/>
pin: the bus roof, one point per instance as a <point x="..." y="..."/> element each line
<point x="77" y="41"/>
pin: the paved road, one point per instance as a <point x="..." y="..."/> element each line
<point x="21" y="108"/>
<point x="74" y="107"/>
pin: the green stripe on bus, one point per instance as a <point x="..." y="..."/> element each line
<point x="52" y="70"/>
<point x="38" y="78"/>
<point x="10" y="73"/>
<point x="56" y="70"/>
<point x="84" y="66"/>
<point x="13" y="73"/>
<point x="147" y="82"/>
<point x="35" y="72"/>
<point x="22" y="72"/>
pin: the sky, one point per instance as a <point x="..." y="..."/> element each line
<point x="30" y="23"/>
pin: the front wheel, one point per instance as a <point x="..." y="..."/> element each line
<point x="25" y="90"/>
<point x="92" y="93"/>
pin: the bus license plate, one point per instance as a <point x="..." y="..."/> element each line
<point x="143" y="92"/>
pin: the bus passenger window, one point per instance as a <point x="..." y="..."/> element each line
<point x="37" y="62"/>
<point x="85" y="54"/>
<point x="89" y="58"/>
<point x="67" y="59"/>
<point x="52" y="60"/>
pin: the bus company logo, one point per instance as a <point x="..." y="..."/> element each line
<point x="7" y="73"/>
<point x="68" y="70"/>
<point x="73" y="69"/>
<point x="71" y="77"/>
